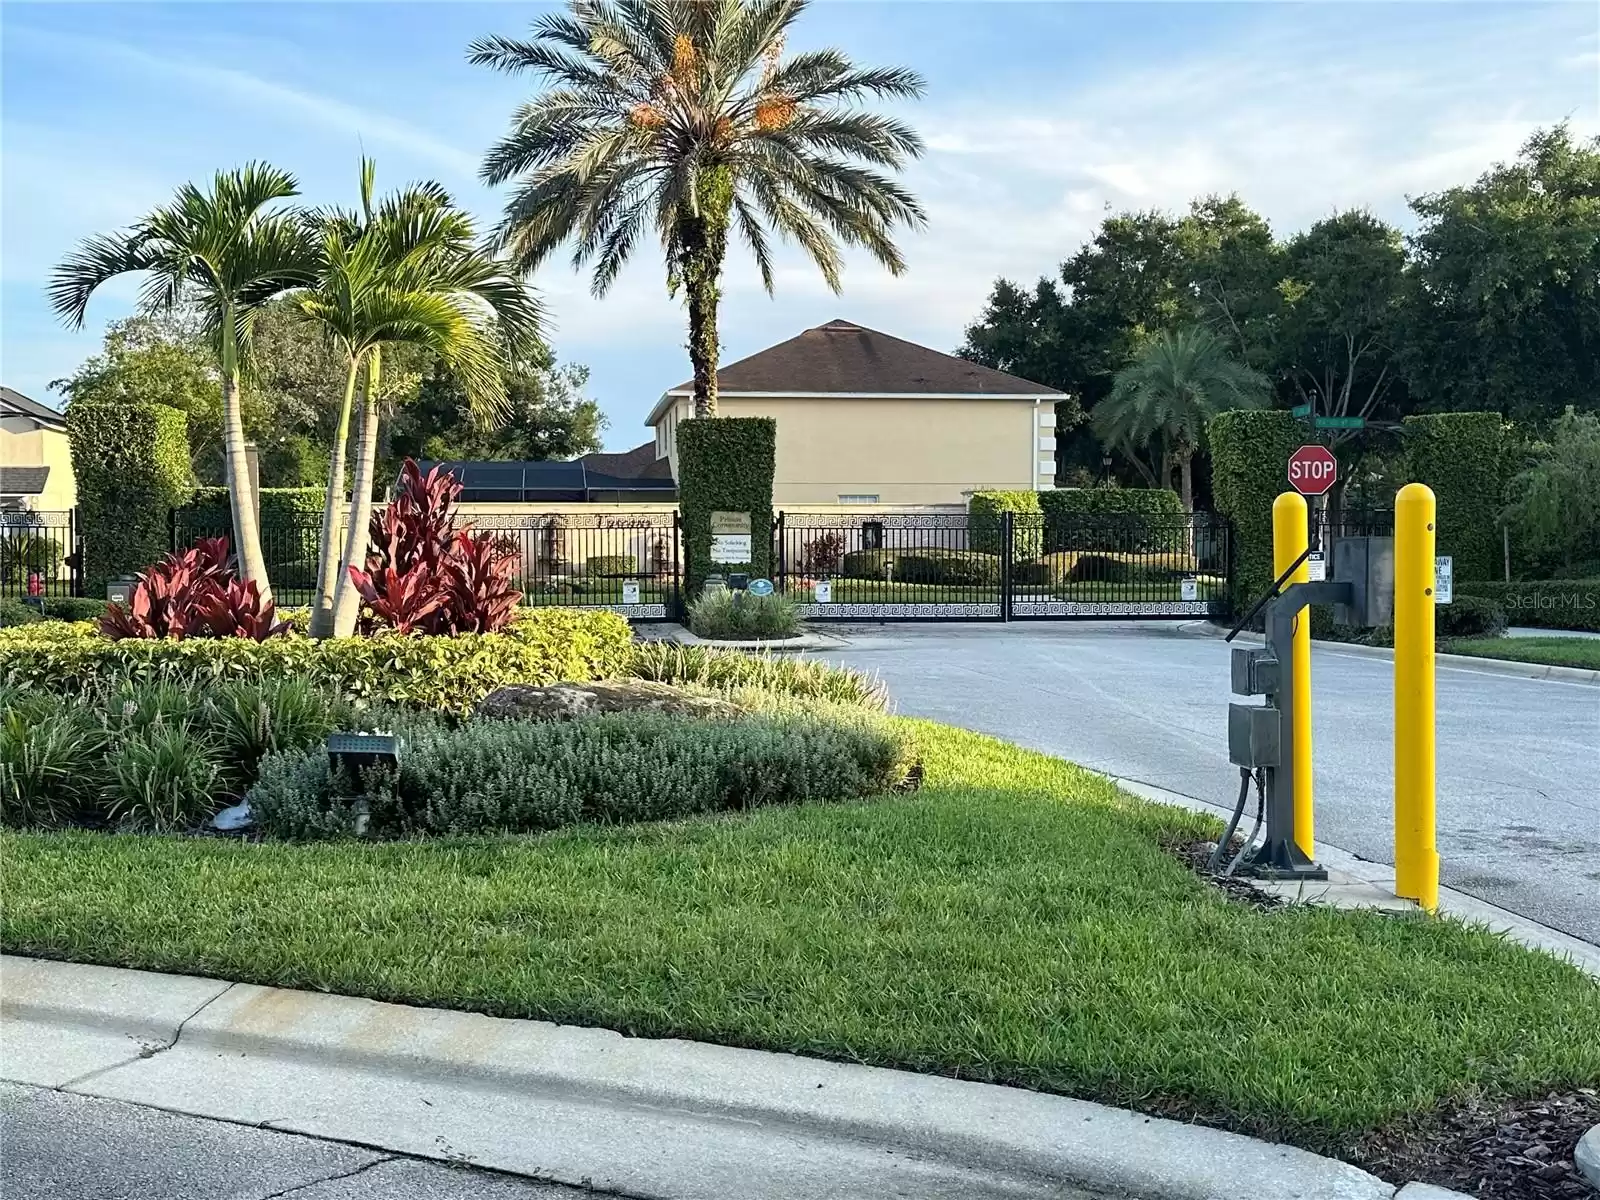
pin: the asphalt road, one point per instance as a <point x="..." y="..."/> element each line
<point x="57" y="1146"/>
<point x="1518" y="759"/>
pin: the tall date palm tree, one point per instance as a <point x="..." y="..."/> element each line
<point x="682" y="116"/>
<point x="226" y="253"/>
<point x="406" y="270"/>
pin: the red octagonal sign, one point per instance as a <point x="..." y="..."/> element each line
<point x="1313" y="470"/>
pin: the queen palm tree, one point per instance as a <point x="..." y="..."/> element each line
<point x="1171" y="387"/>
<point x="407" y="270"/>
<point x="225" y="253"/>
<point x="682" y="116"/>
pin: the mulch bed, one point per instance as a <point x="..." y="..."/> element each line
<point x="1197" y="857"/>
<point x="1520" y="1150"/>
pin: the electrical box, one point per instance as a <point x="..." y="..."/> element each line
<point x="1367" y="565"/>
<point x="1255" y="671"/>
<point x="1254" y="735"/>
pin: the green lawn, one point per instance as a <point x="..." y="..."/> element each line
<point x="1015" y="921"/>
<point x="1554" y="651"/>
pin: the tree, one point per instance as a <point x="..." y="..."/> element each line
<point x="406" y="271"/>
<point x="547" y="416"/>
<point x="1554" y="508"/>
<point x="225" y="253"/>
<point x="1167" y="393"/>
<point x="1505" y="308"/>
<point x="683" y="115"/>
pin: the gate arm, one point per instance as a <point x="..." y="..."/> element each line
<point x="1272" y="591"/>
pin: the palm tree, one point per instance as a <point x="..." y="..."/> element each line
<point x="408" y="270"/>
<point x="681" y="115"/>
<point x="220" y="251"/>
<point x="1168" y="391"/>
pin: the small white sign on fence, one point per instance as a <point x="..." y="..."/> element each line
<point x="630" y="591"/>
<point x="1444" y="579"/>
<point x="1191" y="588"/>
<point x="1317" y="566"/>
<point x="823" y="592"/>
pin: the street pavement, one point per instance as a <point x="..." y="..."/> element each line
<point x="1518" y="777"/>
<point x="57" y="1146"/>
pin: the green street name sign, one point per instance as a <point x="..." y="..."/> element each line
<point x="1341" y="422"/>
<point x="1300" y="410"/>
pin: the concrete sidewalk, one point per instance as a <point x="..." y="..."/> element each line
<point x="590" y="1107"/>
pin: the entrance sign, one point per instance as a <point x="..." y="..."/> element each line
<point x="1313" y="470"/>
<point x="730" y="537"/>
<point x="760" y="587"/>
<point x="1444" y="579"/>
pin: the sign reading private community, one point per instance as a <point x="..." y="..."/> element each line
<point x="1312" y="470"/>
<point x="730" y="537"/>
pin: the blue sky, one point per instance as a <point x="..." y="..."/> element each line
<point x="1039" y="117"/>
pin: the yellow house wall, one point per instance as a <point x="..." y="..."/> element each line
<point x="25" y="443"/>
<point x="906" y="451"/>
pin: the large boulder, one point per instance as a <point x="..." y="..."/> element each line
<point x="569" y="701"/>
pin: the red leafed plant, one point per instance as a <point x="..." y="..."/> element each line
<point x="193" y="594"/>
<point x="424" y="575"/>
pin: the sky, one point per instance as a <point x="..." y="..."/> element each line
<point x="1039" y="118"/>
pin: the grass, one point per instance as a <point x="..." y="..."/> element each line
<point x="1016" y="921"/>
<point x="1553" y="651"/>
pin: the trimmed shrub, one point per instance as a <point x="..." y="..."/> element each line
<point x="540" y="646"/>
<point x="611" y="565"/>
<point x="866" y="564"/>
<point x="736" y="615"/>
<point x="15" y="612"/>
<point x="520" y="776"/>
<point x="1469" y="616"/>
<point x="62" y="608"/>
<point x="986" y="522"/>
<point x="286" y="507"/>
<point x="725" y="464"/>
<point x="1250" y="452"/>
<point x="1461" y="456"/>
<point x="1112" y="518"/>
<point x="1546" y="603"/>
<point x="131" y="462"/>
<point x="952" y="568"/>
<point x="728" y="671"/>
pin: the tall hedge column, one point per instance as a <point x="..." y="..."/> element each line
<point x="131" y="462"/>
<point x="725" y="464"/>
<point x="1250" y="451"/>
<point x="1461" y="456"/>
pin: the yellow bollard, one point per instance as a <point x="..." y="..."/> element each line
<point x="1416" y="859"/>
<point x="1290" y="536"/>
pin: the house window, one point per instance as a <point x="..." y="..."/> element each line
<point x="855" y="499"/>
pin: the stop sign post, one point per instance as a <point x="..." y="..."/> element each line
<point x="1313" y="470"/>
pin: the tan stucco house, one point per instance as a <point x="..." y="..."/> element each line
<point x="868" y="419"/>
<point x="35" y="459"/>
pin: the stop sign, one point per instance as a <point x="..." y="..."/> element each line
<point x="1312" y="470"/>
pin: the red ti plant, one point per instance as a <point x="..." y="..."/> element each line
<point x="424" y="576"/>
<point x="193" y="594"/>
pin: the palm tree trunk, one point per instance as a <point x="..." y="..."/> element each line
<point x="329" y="547"/>
<point x="241" y="496"/>
<point x="702" y="247"/>
<point x="347" y="601"/>
<point x="1186" y="477"/>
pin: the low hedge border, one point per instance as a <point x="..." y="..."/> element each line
<point x="541" y="646"/>
<point x="56" y="608"/>
<point x="1546" y="603"/>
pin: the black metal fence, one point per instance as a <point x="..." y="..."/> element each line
<point x="893" y="566"/>
<point x="627" y="562"/>
<point x="39" y="554"/>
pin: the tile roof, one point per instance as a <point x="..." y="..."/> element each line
<point x="847" y="358"/>
<point x="13" y="401"/>
<point x="639" y="463"/>
<point x="23" y="481"/>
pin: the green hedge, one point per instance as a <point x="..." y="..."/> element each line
<point x="541" y="646"/>
<point x="1461" y="456"/>
<point x="611" y="565"/>
<point x="1250" y="452"/>
<point x="985" y="523"/>
<point x="519" y="776"/>
<point x="725" y="464"/>
<point x="131" y="463"/>
<point x="290" y="507"/>
<point x="956" y="568"/>
<point x="1112" y="518"/>
<point x="1546" y="603"/>
<point x="56" y="608"/>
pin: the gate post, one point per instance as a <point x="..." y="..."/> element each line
<point x="781" y="555"/>
<point x="1007" y="553"/>
<point x="676" y="611"/>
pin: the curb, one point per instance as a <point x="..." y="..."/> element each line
<point x="1585" y="956"/>
<point x="590" y="1107"/>
<point x="1458" y="662"/>
<point x="804" y="641"/>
